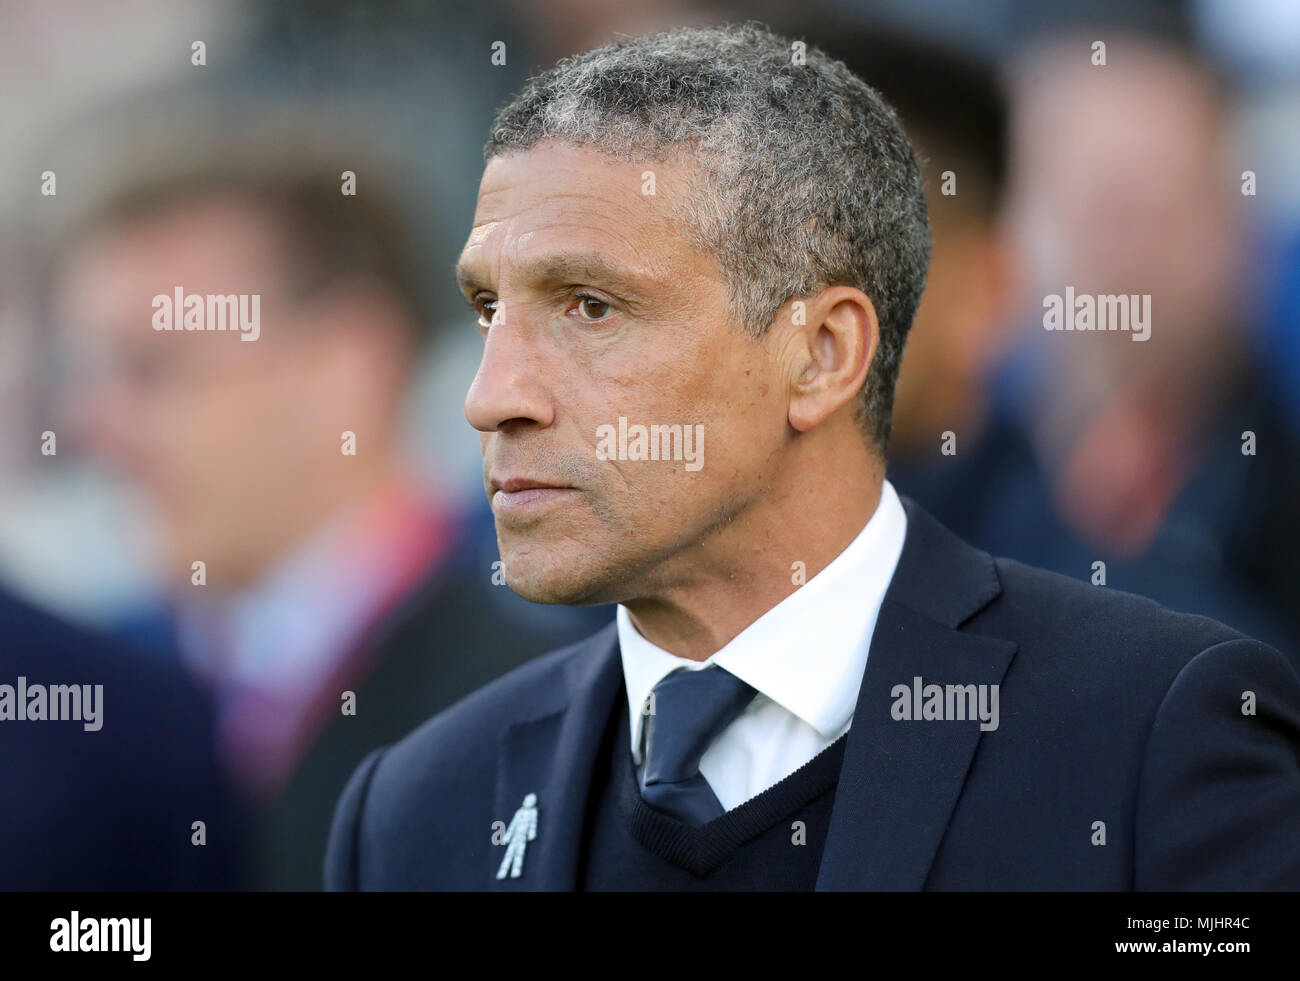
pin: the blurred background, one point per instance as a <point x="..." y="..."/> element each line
<point x="152" y="145"/>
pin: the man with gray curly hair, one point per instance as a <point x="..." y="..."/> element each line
<point x="718" y="238"/>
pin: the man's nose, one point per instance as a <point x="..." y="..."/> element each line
<point x="509" y="385"/>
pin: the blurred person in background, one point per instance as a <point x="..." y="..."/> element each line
<point x="1097" y="448"/>
<point x="336" y="607"/>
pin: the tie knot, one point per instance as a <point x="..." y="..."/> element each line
<point x="688" y="710"/>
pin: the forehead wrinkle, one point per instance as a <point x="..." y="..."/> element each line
<point x="618" y="262"/>
<point x="555" y="208"/>
<point x="574" y="265"/>
<point x="549" y="194"/>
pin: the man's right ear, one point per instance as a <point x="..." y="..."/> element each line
<point x="831" y="339"/>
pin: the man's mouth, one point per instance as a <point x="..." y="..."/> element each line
<point x="514" y="496"/>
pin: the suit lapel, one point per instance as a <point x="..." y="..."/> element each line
<point x="553" y="756"/>
<point x="901" y="779"/>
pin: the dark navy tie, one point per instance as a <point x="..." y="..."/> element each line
<point x="687" y="711"/>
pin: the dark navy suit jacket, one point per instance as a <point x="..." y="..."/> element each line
<point x="1120" y="722"/>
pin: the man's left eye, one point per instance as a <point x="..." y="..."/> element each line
<point x="593" y="308"/>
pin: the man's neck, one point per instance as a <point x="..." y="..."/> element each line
<point x="757" y="561"/>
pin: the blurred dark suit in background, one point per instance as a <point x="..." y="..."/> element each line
<point x="114" y="808"/>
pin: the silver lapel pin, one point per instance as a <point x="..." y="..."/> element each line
<point x="521" y="830"/>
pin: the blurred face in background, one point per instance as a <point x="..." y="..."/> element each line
<point x="1120" y="185"/>
<point x="235" y="443"/>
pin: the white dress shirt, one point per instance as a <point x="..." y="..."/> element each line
<point x="805" y="656"/>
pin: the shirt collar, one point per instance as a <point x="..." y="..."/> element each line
<point x="808" y="652"/>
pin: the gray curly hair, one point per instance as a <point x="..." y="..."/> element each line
<point x="808" y="179"/>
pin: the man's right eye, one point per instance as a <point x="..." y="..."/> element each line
<point x="487" y="311"/>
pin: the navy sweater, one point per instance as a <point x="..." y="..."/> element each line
<point x="773" y="841"/>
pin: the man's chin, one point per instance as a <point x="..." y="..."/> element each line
<point x="558" y="589"/>
<point x="555" y="582"/>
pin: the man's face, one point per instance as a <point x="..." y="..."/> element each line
<point x="603" y="310"/>
<point x="218" y="433"/>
